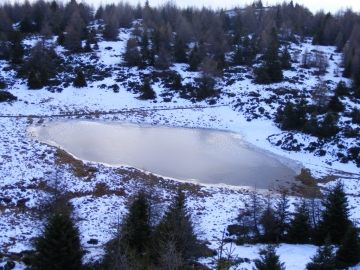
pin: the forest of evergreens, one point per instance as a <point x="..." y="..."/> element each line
<point x="167" y="34"/>
<point x="209" y="41"/>
<point x="148" y="238"/>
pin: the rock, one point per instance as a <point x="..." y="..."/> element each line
<point x="93" y="241"/>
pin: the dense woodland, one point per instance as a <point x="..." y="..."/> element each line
<point x="254" y="37"/>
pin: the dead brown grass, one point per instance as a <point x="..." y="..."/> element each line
<point x="78" y="167"/>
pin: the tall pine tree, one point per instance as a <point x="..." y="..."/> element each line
<point x="136" y="227"/>
<point x="269" y="260"/>
<point x="59" y="246"/>
<point x="300" y="227"/>
<point x="176" y="229"/>
<point x="324" y="259"/>
<point x="335" y="220"/>
<point x="348" y="253"/>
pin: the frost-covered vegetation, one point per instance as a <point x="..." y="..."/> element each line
<point x="287" y="79"/>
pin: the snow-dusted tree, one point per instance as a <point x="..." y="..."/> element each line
<point x="324" y="259"/>
<point x="146" y="90"/>
<point x="282" y="214"/>
<point x="268" y="224"/>
<point x="132" y="55"/>
<point x="300" y="228"/>
<point x="79" y="80"/>
<point x="164" y="59"/>
<point x="269" y="260"/>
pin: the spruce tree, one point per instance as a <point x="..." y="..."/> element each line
<point x="176" y="229"/>
<point x="348" y="253"/>
<point x="269" y="260"/>
<point x="341" y="89"/>
<point x="44" y="75"/>
<point x="193" y="61"/>
<point x="268" y="223"/>
<point x="79" y="80"/>
<point x="272" y="60"/>
<point x="335" y="217"/>
<point x="59" y="246"/>
<point x="300" y="227"/>
<point x="329" y="126"/>
<point x="179" y="51"/>
<point x="282" y="214"/>
<point x="324" y="259"/>
<point x="289" y="117"/>
<point x="136" y="229"/>
<point x="147" y="91"/>
<point x="285" y="59"/>
<point x="33" y="80"/>
<point x="335" y="104"/>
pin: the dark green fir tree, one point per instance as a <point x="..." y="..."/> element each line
<point x="269" y="260"/>
<point x="58" y="247"/>
<point x="348" y="254"/>
<point x="193" y="60"/>
<point x="136" y="229"/>
<point x="33" y="80"/>
<point x="79" y="80"/>
<point x="300" y="227"/>
<point x="176" y="230"/>
<point x="44" y="75"/>
<point x="334" y="221"/>
<point x="179" y="51"/>
<point x="324" y="259"/>
<point x="147" y="91"/>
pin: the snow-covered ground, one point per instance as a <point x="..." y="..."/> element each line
<point x="100" y="197"/>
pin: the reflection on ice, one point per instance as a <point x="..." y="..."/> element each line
<point x="206" y="156"/>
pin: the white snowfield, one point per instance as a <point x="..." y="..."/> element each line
<point x="26" y="165"/>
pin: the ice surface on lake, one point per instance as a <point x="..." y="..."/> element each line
<point x="202" y="155"/>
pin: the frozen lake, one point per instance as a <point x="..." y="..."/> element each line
<point x="191" y="154"/>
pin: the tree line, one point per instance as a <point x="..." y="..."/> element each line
<point x="149" y="238"/>
<point x="324" y="222"/>
<point x="168" y="34"/>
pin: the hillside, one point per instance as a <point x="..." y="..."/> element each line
<point x="114" y="92"/>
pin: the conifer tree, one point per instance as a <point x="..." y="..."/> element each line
<point x="33" y="80"/>
<point x="285" y="58"/>
<point x="147" y="91"/>
<point x="179" y="51"/>
<point x="268" y="223"/>
<point x="44" y="75"/>
<point x="79" y="80"/>
<point x="300" y="227"/>
<point x="272" y="60"/>
<point x="324" y="259"/>
<point x="193" y="61"/>
<point x="176" y="229"/>
<point x="341" y="89"/>
<point x="335" y="104"/>
<point x="335" y="220"/>
<point x="348" y="253"/>
<point x="136" y="227"/>
<point x="282" y="214"/>
<point x="59" y="246"/>
<point x="132" y="54"/>
<point x="269" y="260"/>
<point x="329" y="126"/>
